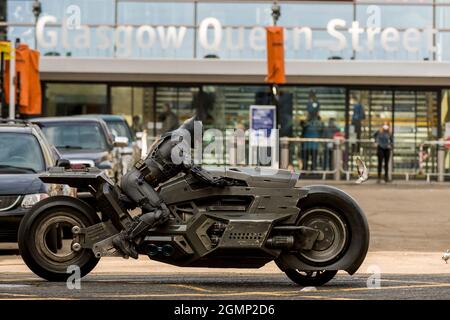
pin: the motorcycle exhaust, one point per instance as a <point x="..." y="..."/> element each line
<point x="280" y="242"/>
<point x="166" y="250"/>
<point x="152" y="250"/>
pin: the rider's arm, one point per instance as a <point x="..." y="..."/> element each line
<point x="204" y="175"/>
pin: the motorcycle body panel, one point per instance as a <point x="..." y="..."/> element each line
<point x="231" y="227"/>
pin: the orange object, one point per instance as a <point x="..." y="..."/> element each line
<point x="27" y="64"/>
<point x="275" y="55"/>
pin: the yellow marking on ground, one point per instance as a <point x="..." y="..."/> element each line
<point x="17" y="294"/>
<point x="224" y="294"/>
<point x="388" y="287"/>
<point x="38" y="298"/>
<point x="20" y="279"/>
<point x="189" y="287"/>
<point x="409" y="281"/>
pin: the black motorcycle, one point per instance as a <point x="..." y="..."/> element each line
<point x="311" y="232"/>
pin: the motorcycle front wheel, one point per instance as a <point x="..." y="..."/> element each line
<point x="45" y="241"/>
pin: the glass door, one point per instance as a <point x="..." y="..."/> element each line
<point x="134" y="102"/>
<point x="368" y="111"/>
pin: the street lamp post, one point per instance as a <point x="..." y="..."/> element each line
<point x="276" y="12"/>
<point x="37" y="10"/>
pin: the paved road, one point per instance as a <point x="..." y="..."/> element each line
<point x="224" y="286"/>
<point x="410" y="228"/>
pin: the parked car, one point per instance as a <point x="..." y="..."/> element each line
<point x="85" y="142"/>
<point x="119" y="128"/>
<point x="24" y="153"/>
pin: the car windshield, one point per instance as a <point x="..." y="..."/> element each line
<point x="119" y="129"/>
<point x="20" y="153"/>
<point x="75" y="135"/>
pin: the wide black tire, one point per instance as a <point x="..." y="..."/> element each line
<point x="36" y="230"/>
<point x="343" y="241"/>
<point x="313" y="279"/>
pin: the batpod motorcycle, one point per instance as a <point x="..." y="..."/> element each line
<point x="310" y="232"/>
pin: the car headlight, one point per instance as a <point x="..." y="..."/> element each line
<point x="31" y="199"/>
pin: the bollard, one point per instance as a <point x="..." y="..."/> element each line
<point x="390" y="165"/>
<point x="440" y="162"/>
<point x="284" y="153"/>
<point x="232" y="155"/>
<point x="337" y="156"/>
<point x="144" y="144"/>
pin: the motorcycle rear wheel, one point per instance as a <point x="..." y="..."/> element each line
<point x="45" y="242"/>
<point x="310" y="278"/>
<point x="342" y="243"/>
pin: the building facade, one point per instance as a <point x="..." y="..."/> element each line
<point x="133" y="57"/>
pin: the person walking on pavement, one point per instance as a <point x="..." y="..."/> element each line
<point x="384" y="142"/>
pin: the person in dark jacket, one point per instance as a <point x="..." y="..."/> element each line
<point x="328" y="133"/>
<point x="312" y="130"/>
<point x="384" y="141"/>
<point x="357" y="118"/>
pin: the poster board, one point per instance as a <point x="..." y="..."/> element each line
<point x="263" y="134"/>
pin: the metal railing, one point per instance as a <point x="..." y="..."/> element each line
<point x="335" y="158"/>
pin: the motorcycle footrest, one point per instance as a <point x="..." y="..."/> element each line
<point x="89" y="236"/>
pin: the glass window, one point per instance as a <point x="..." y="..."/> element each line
<point x="248" y="14"/>
<point x="419" y="49"/>
<point x="133" y="102"/>
<point x="172" y="43"/>
<point x="85" y="42"/>
<point x="24" y="34"/>
<point x="155" y="13"/>
<point x="21" y="153"/>
<point x="91" y="11"/>
<point x="315" y="15"/>
<point x="66" y="136"/>
<point x="399" y="16"/>
<point x="70" y="99"/>
<point x="20" y="11"/>
<point x="178" y="99"/>
<point x="442" y="16"/>
<point x="119" y="129"/>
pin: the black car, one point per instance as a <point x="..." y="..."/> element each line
<point x="120" y="129"/>
<point x="85" y="142"/>
<point x="24" y="153"/>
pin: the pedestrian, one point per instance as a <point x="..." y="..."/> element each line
<point x="329" y="133"/>
<point x="384" y="142"/>
<point x="312" y="106"/>
<point x="357" y="118"/>
<point x="136" y="126"/>
<point x="313" y="130"/>
<point x="291" y="168"/>
<point x="168" y="118"/>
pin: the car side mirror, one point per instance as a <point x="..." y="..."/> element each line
<point x="64" y="163"/>
<point x="121" y="142"/>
